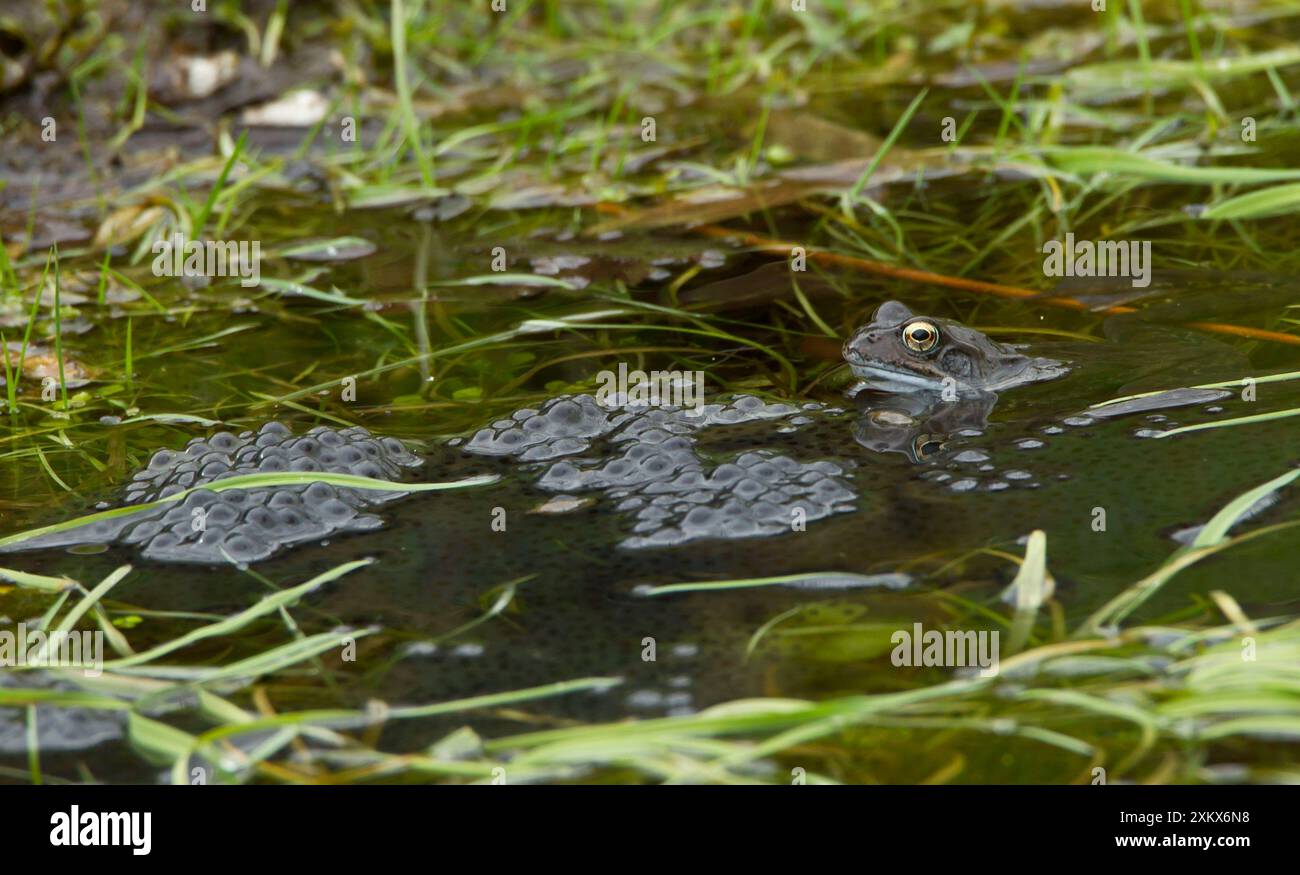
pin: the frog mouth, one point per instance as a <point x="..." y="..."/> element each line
<point x="888" y="375"/>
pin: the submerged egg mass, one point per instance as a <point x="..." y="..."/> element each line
<point x="246" y="525"/>
<point x="649" y="462"/>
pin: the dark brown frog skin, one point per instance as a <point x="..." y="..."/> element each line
<point x="901" y="352"/>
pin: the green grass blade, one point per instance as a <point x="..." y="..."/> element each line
<point x="253" y="481"/>
<point x="263" y="607"/>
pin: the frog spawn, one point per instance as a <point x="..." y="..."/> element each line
<point x="248" y="525"/>
<point x="58" y="728"/>
<point x="655" y="471"/>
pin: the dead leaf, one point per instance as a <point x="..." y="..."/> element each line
<point x="125" y="224"/>
<point x="41" y="363"/>
<point x="297" y="109"/>
<point x="194" y="77"/>
<point x="817" y="139"/>
<point x="563" y="504"/>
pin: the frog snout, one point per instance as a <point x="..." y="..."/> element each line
<point x="854" y="346"/>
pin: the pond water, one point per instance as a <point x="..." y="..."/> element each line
<point x="932" y="501"/>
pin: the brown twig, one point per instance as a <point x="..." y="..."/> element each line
<point x="867" y="265"/>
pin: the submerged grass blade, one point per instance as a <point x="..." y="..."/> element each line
<point x="293" y="289"/>
<point x="1224" y="384"/>
<point x="510" y="279"/>
<point x="811" y="580"/>
<point x="1230" y="423"/>
<point x="333" y="249"/>
<point x="16" y="696"/>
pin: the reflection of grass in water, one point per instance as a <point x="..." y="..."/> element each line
<point x="1107" y="172"/>
<point x="1147" y="703"/>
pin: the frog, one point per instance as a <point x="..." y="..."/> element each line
<point x="902" y="352"/>
<point x="924" y="379"/>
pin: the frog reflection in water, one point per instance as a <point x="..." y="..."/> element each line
<point x="942" y="377"/>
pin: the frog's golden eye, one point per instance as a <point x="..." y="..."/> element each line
<point x="921" y="336"/>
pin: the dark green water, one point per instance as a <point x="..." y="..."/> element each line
<point x="577" y="611"/>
